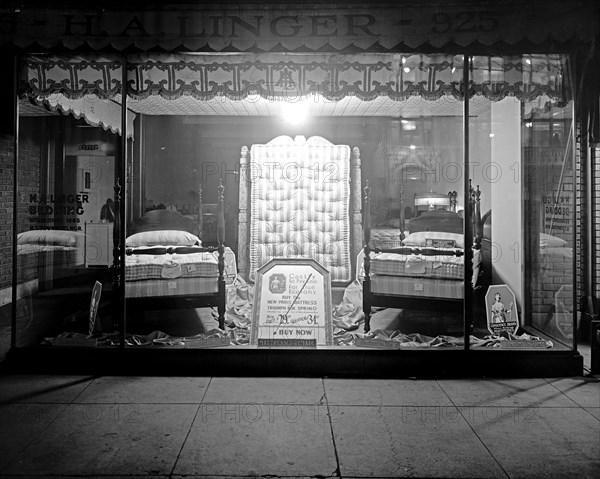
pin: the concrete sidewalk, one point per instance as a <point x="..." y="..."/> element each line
<point x="295" y="427"/>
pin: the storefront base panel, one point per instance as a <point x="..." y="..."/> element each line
<point x="294" y="363"/>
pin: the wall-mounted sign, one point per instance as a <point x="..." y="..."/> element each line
<point x="87" y="147"/>
<point x="292" y="304"/>
<point x="501" y="309"/>
<point x="558" y="213"/>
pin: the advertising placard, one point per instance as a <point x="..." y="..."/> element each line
<point x="501" y="310"/>
<point x="292" y="304"/>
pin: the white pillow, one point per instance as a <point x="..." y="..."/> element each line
<point x="51" y="237"/>
<point x="163" y="238"/>
<point x="420" y="238"/>
<point x="551" y="241"/>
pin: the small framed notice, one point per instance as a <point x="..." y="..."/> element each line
<point x="292" y="305"/>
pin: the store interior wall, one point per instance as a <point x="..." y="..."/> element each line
<point x="506" y="195"/>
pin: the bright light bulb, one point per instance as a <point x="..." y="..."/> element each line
<point x="406" y="70"/>
<point x="412" y="147"/>
<point x="294" y="113"/>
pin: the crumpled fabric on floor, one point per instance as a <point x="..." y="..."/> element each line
<point x="347" y="318"/>
<point x="415" y="340"/>
<point x="156" y="338"/>
<point x="238" y="310"/>
<point x="348" y="315"/>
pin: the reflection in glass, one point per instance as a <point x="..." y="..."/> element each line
<point x="67" y="162"/>
<point x="521" y="150"/>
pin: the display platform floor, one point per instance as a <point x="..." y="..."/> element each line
<point x="82" y="426"/>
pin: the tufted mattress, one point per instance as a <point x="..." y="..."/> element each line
<point x="300" y="205"/>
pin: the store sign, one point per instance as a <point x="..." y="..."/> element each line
<point x="558" y="213"/>
<point x="44" y="210"/>
<point x="244" y="27"/>
<point x="292" y="305"/>
<point x="501" y="309"/>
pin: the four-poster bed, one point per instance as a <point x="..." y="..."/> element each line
<point x="166" y="266"/>
<point x="427" y="271"/>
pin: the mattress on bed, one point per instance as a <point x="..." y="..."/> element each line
<point x="417" y="287"/>
<point x="170" y="287"/>
<point x="39" y="255"/>
<point x="143" y="267"/>
<point x="437" y="266"/>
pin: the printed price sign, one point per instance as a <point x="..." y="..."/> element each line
<point x="292" y="304"/>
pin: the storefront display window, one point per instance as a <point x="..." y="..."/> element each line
<point x="216" y="183"/>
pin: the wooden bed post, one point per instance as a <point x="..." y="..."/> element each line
<point x="402" y="222"/>
<point x="243" y="252"/>
<point x="367" y="261"/>
<point x="477" y="233"/>
<point x="117" y="280"/>
<point x="221" y="249"/>
<point x="356" y="203"/>
<point x="475" y="212"/>
<point x="452" y="195"/>
<point x="200" y="217"/>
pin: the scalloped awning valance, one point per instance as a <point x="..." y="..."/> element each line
<point x="307" y="27"/>
<point x="365" y="76"/>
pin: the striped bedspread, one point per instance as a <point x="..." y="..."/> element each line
<point x="173" y="266"/>
<point x="442" y="266"/>
<point x="421" y="287"/>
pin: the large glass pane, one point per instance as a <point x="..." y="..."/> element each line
<point x="521" y="151"/>
<point x="69" y="131"/>
<point x="402" y="131"/>
<point x="417" y="208"/>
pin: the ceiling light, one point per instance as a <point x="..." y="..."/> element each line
<point x="294" y="113"/>
<point x="406" y="70"/>
<point x="412" y="147"/>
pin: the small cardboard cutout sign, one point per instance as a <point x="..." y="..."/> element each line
<point x="94" y="326"/>
<point x="501" y="309"/>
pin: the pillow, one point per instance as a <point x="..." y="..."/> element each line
<point x="163" y="238"/>
<point x="551" y="241"/>
<point x="392" y="222"/>
<point x="51" y="237"/>
<point x="420" y="238"/>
